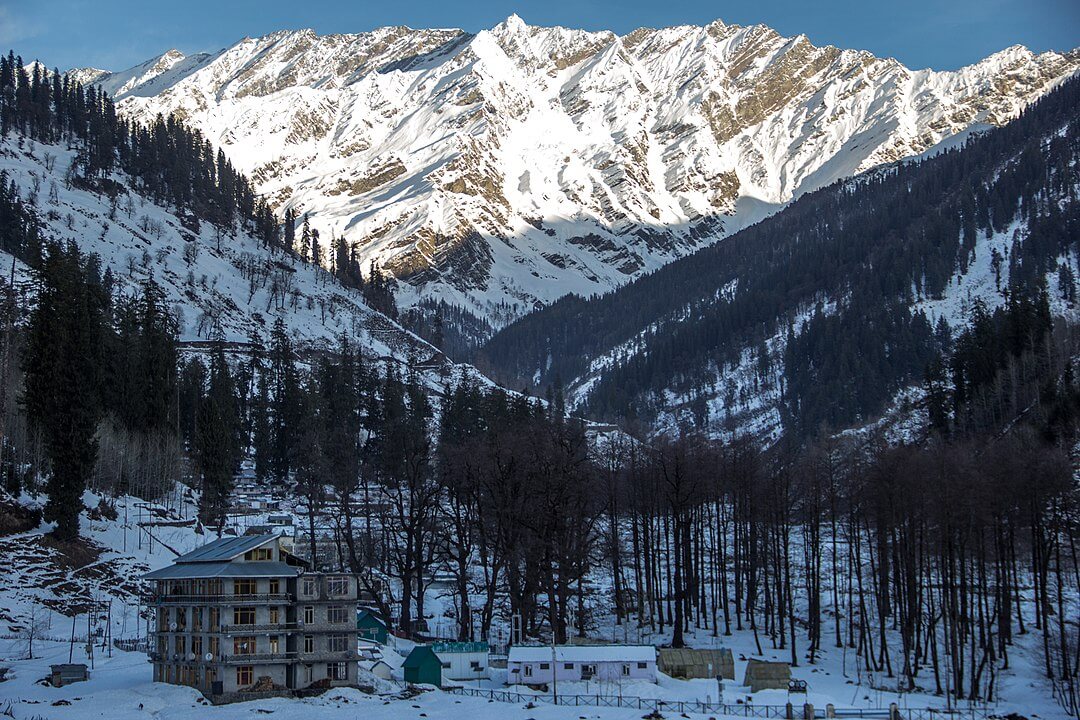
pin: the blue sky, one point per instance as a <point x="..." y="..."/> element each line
<point x="115" y="34"/>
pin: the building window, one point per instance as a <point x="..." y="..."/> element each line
<point x="244" y="586"/>
<point x="337" y="586"/>
<point x="215" y="646"/>
<point x="244" y="616"/>
<point x="245" y="675"/>
<point x="275" y="644"/>
<point x="337" y="671"/>
<point x="337" y="643"/>
<point x="181" y="618"/>
<point x="180" y="646"/>
<point x="307" y="587"/>
<point x="309" y="615"/>
<point x="309" y="643"/>
<point x="625" y="669"/>
<point x="275" y="616"/>
<point x="545" y="666"/>
<point x="337" y="614"/>
<point x="275" y="586"/>
<point x="528" y="671"/>
<point x="446" y="666"/>
<point x="215" y="618"/>
<point x="196" y="646"/>
<point x="568" y="666"/>
<point x="475" y="665"/>
<point x="243" y="646"/>
<point x="259" y="554"/>
<point x="642" y="666"/>
<point x="196" y="619"/>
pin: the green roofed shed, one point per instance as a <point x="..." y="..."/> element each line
<point x="423" y="666"/>
<point x="370" y="627"/>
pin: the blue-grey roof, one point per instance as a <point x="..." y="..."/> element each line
<point x="186" y="571"/>
<point x="225" y="549"/>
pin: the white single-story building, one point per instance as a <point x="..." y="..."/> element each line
<point x="533" y="664"/>
<point x="381" y="669"/>
<point x="462" y="660"/>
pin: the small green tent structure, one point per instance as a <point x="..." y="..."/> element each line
<point x="686" y="663"/>
<point x="766" y="675"/>
<point x="423" y="666"/>
<point x="370" y="627"/>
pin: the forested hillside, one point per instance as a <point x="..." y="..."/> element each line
<point x="830" y="296"/>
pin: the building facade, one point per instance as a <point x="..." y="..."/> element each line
<point x="462" y="660"/>
<point x="242" y="615"/>
<point x="540" y="664"/>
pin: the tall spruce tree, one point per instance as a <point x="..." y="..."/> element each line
<point x="217" y="446"/>
<point x="63" y="361"/>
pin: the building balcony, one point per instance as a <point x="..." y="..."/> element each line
<point x="158" y="599"/>
<point x="258" y="658"/>
<point x="326" y="656"/>
<point x="259" y="627"/>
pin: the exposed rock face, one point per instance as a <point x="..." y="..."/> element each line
<point x="509" y="167"/>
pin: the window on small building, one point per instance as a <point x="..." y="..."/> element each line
<point x="337" y="614"/>
<point x="337" y="643"/>
<point x="545" y="666"/>
<point x="568" y="666"/>
<point x="337" y="586"/>
<point x="475" y="665"/>
<point x="337" y="671"/>
<point x="244" y="586"/>
<point x="625" y="669"/>
<point x="244" y="616"/>
<point x="245" y="675"/>
<point x="259" y="554"/>
<point x="244" y="645"/>
<point x="528" y="671"/>
<point x="642" y="666"/>
<point x="446" y="666"/>
<point x="309" y="643"/>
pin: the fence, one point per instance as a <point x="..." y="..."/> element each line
<point x="749" y="710"/>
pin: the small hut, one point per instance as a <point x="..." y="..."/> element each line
<point x="382" y="670"/>
<point x="67" y="673"/>
<point x="687" y="663"/>
<point x="369" y="627"/>
<point x="423" y="666"/>
<point x="766" y="675"/>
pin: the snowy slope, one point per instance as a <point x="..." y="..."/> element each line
<point x="211" y="280"/>
<point x="507" y="168"/>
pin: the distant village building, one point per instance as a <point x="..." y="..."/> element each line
<point x="688" y="663"/>
<point x="766" y="675"/>
<point x="243" y="615"/>
<point x="423" y="667"/>
<point x="463" y="660"/>
<point x="537" y="664"/>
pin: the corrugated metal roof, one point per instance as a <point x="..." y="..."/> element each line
<point x="583" y="653"/>
<point x="186" y="571"/>
<point x="225" y="548"/>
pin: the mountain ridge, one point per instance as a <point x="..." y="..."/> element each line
<point x="503" y="169"/>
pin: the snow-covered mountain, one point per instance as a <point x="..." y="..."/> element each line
<point x="504" y="169"/>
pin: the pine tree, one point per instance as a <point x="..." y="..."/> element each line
<point x="217" y="449"/>
<point x="63" y="364"/>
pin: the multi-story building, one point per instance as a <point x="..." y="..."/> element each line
<point x="242" y="615"/>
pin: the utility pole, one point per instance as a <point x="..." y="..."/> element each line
<point x="554" y="671"/>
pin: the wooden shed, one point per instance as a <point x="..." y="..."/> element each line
<point x="688" y="663"/>
<point x="67" y="673"/>
<point x="370" y="627"/>
<point x="423" y="666"/>
<point x="766" y="675"/>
